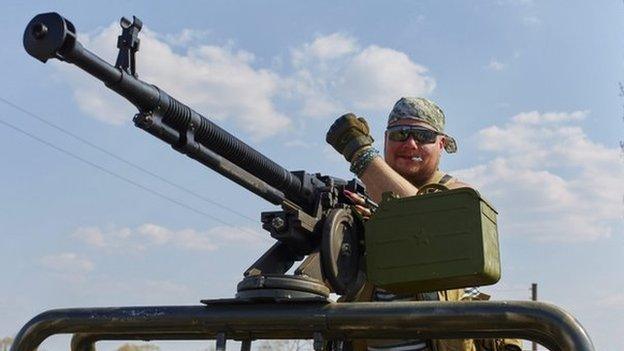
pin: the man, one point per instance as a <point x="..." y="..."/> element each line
<point x="413" y="145"/>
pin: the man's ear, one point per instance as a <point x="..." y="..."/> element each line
<point x="442" y="142"/>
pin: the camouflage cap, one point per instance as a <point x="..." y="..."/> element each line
<point x="423" y="110"/>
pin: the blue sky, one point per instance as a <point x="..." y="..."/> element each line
<point x="530" y="90"/>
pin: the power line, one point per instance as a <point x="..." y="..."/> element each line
<point x="125" y="179"/>
<point x="509" y="290"/>
<point x="123" y="160"/>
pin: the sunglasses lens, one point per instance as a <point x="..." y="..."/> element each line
<point x="422" y="136"/>
<point x="398" y="135"/>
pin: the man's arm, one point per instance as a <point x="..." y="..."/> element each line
<point x="380" y="178"/>
<point x="456" y="184"/>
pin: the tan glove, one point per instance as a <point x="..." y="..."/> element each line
<point x="348" y="134"/>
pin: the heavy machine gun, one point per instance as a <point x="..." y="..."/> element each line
<point x="315" y="220"/>
<point x="316" y="225"/>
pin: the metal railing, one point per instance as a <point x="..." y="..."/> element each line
<point x="544" y="323"/>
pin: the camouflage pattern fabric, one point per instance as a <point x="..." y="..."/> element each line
<point x="422" y="110"/>
<point x="371" y="293"/>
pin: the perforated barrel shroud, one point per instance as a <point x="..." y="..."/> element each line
<point x="431" y="242"/>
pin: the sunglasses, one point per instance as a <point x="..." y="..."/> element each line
<point x="421" y="135"/>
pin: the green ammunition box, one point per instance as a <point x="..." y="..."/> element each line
<point x="431" y="242"/>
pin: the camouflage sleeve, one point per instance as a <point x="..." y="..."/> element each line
<point x="512" y="344"/>
<point x="473" y="294"/>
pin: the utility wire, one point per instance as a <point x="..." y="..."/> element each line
<point x="129" y="163"/>
<point x="509" y="290"/>
<point x="125" y="179"/>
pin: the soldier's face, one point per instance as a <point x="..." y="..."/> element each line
<point x="415" y="161"/>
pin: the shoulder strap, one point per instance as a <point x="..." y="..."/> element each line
<point x="445" y="179"/>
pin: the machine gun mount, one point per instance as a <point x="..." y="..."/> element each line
<point x="315" y="225"/>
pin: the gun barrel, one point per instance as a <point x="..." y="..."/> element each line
<point x="50" y="35"/>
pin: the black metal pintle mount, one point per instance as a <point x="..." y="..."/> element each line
<point x="128" y="44"/>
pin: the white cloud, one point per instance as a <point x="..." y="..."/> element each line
<point x="615" y="300"/>
<point x="325" y="48"/>
<point x="97" y="237"/>
<point x="548" y="179"/>
<point x="496" y="65"/>
<point x="151" y="235"/>
<point x="535" y="117"/>
<point x="187" y="239"/>
<point x="90" y="235"/>
<point x="330" y="74"/>
<point x="155" y="234"/>
<point x="185" y="37"/>
<point x="218" y="79"/>
<point x="68" y="265"/>
<point x="378" y="76"/>
<point x="236" y="235"/>
<point x="333" y="74"/>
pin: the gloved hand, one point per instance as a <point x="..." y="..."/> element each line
<point x="348" y="134"/>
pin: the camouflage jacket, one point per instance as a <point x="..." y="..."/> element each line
<point x="471" y="294"/>
<point x="459" y="295"/>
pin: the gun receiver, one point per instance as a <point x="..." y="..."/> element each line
<point x="316" y="219"/>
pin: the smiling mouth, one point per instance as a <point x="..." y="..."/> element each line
<point x="412" y="158"/>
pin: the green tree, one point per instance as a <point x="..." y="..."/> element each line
<point x="5" y="343"/>
<point x="138" y="347"/>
